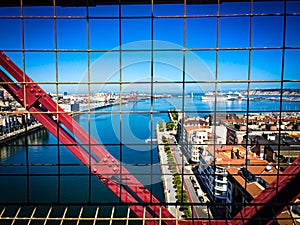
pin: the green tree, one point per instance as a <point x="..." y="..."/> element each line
<point x="161" y="126"/>
<point x="167" y="147"/>
<point x="170" y="125"/>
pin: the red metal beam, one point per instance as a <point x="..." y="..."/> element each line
<point x="31" y="96"/>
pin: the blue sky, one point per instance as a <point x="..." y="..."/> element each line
<point x="168" y="33"/>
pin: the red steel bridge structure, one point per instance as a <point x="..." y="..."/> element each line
<point x="108" y="169"/>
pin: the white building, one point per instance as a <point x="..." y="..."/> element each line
<point x="195" y="138"/>
<point x="213" y="177"/>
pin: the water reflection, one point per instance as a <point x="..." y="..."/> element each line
<point x="7" y="150"/>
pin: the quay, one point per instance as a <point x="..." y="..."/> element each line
<point x="18" y="133"/>
<point x="94" y="107"/>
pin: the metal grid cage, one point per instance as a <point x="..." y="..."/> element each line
<point x="67" y="38"/>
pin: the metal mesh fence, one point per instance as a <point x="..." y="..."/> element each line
<point x="119" y="68"/>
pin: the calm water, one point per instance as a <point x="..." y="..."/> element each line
<point x="74" y="183"/>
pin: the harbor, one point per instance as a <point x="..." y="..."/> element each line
<point x="32" y="126"/>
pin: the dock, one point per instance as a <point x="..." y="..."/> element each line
<point x="150" y="140"/>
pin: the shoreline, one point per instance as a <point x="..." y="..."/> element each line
<point x="96" y="108"/>
<point x="19" y="133"/>
<point x="4" y="139"/>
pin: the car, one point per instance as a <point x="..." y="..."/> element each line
<point x="201" y="199"/>
<point x="192" y="179"/>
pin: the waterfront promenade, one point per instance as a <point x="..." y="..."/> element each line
<point x="167" y="176"/>
<point x="201" y="211"/>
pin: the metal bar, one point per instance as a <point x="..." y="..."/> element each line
<point x="110" y="2"/>
<point x="2" y="212"/>
<point x="112" y="215"/>
<point x="149" y="50"/>
<point x="79" y="216"/>
<point x="64" y="215"/>
<point x="16" y="216"/>
<point x="156" y="17"/>
<point x="48" y="215"/>
<point x="96" y="215"/>
<point x="127" y="216"/>
<point x="31" y="217"/>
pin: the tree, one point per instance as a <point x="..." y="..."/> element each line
<point x="170" y="126"/>
<point x="161" y="126"/>
<point x="167" y="147"/>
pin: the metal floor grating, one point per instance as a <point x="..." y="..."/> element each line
<point x="100" y="215"/>
<point x="79" y="215"/>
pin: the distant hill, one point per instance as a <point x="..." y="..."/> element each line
<point x="291" y="92"/>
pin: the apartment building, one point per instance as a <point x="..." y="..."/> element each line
<point x="214" y="169"/>
<point x="246" y="183"/>
<point x="272" y="147"/>
<point x="195" y="138"/>
<point x="196" y="132"/>
<point x="259" y="124"/>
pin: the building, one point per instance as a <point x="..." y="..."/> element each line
<point x="195" y="138"/>
<point x="1" y="94"/>
<point x="235" y="133"/>
<point x="258" y="124"/>
<point x="213" y="169"/>
<point x="272" y="147"/>
<point x="246" y="183"/>
<point x="70" y="107"/>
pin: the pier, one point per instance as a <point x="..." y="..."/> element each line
<point x="150" y="140"/>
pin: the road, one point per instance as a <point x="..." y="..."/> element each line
<point x="201" y="211"/>
<point x="167" y="177"/>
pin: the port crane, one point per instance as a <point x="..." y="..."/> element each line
<point x="117" y="178"/>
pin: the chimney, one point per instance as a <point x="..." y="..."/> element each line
<point x="232" y="154"/>
<point x="238" y="153"/>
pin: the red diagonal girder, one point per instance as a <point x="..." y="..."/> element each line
<point x="77" y="150"/>
<point x="105" y="168"/>
<point x="108" y="167"/>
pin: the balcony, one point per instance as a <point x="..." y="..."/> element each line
<point x="221" y="179"/>
<point x="221" y="194"/>
<point x="220" y="171"/>
<point x="221" y="187"/>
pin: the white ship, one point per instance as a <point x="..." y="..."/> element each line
<point x="220" y="96"/>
